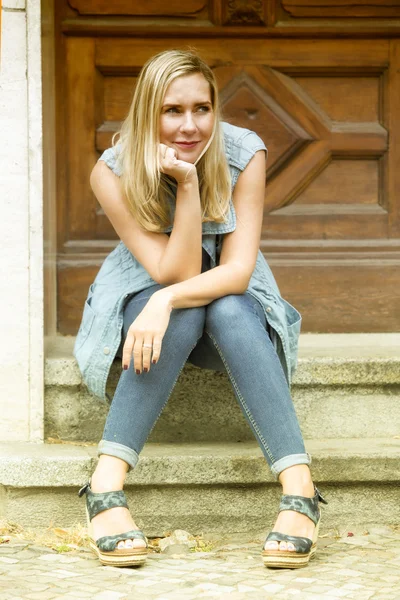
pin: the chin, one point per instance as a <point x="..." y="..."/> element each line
<point x="189" y="156"/>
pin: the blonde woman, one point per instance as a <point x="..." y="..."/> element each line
<point x="185" y="194"/>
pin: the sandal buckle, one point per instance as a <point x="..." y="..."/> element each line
<point x="84" y="489"/>
<point x="320" y="496"/>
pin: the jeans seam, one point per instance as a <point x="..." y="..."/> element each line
<point x="173" y="385"/>
<point x="241" y="399"/>
<point x="257" y="316"/>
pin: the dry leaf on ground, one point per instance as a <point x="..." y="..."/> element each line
<point x="4" y="539"/>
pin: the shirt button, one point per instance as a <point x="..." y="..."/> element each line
<point x="268" y="309"/>
<point x="106" y="350"/>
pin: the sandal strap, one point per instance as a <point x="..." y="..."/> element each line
<point x="108" y="543"/>
<point x="301" y="544"/>
<point x="99" y="502"/>
<point x="303" y="505"/>
<point x="320" y="496"/>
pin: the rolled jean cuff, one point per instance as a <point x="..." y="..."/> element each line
<point x="119" y="451"/>
<point x="289" y="461"/>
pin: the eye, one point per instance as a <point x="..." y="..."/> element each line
<point x="173" y="109"/>
<point x="204" y="108"/>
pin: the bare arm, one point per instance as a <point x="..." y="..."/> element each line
<point x="168" y="259"/>
<point x="239" y="251"/>
<point x="232" y="276"/>
<point x="183" y="253"/>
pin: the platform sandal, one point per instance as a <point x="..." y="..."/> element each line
<point x="106" y="547"/>
<point x="305" y="548"/>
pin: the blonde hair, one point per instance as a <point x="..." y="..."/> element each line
<point x="146" y="188"/>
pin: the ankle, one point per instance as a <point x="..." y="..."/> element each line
<point x="109" y="475"/>
<point x="298" y="489"/>
<point x="297" y="481"/>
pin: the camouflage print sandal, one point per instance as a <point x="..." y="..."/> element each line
<point x="305" y="548"/>
<point x="106" y="547"/>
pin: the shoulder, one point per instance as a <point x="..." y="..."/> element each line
<point x="112" y="157"/>
<point x="240" y="144"/>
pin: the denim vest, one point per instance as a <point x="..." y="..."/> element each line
<point x="121" y="275"/>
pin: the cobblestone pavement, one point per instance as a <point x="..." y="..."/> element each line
<point x="363" y="566"/>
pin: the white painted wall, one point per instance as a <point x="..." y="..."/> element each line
<point x="21" y="230"/>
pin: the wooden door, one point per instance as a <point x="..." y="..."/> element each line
<point x="325" y="99"/>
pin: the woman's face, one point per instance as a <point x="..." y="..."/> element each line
<point x="187" y="117"/>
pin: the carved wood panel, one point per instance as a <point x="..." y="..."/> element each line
<point x="308" y="150"/>
<point x="156" y="8"/>
<point x="244" y="12"/>
<point x="342" y="8"/>
<point x="325" y="109"/>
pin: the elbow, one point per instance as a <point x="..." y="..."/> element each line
<point x="242" y="277"/>
<point x="242" y="289"/>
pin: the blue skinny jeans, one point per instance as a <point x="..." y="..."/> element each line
<point x="229" y="334"/>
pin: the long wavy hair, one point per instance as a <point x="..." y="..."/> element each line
<point x="146" y="188"/>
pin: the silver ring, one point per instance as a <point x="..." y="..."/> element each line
<point x="147" y="345"/>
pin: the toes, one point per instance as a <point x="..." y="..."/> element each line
<point x="130" y="544"/>
<point x="282" y="546"/>
<point x="291" y="547"/>
<point x="271" y="546"/>
<point x="288" y="546"/>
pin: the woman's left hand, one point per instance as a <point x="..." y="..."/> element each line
<point x="145" y="335"/>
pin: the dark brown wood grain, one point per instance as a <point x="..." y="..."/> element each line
<point x="344" y="295"/>
<point x="80" y="124"/>
<point x="391" y="116"/>
<point x="159" y="8"/>
<point x="342" y="8"/>
<point x="327" y="109"/>
<point x="252" y="12"/>
<point x="304" y="55"/>
<point x="72" y="285"/>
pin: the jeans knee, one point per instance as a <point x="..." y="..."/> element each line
<point x="187" y="324"/>
<point x="225" y="312"/>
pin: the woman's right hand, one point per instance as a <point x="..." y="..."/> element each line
<point x="145" y="335"/>
<point x="180" y="170"/>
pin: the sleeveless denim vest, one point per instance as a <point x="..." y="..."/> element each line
<point x="121" y="275"/>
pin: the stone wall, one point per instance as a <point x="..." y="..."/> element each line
<point x="21" y="225"/>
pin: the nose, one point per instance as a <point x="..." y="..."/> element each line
<point x="188" y="123"/>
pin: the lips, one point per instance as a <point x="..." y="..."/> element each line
<point x="186" y="145"/>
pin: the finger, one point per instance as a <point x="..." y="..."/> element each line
<point x="165" y="159"/>
<point x="147" y="349"/>
<point x="127" y="350"/>
<point x="137" y="355"/>
<point x="163" y="150"/>
<point x="170" y="153"/>
<point x="157" y="344"/>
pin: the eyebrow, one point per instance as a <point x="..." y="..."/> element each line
<point x="180" y="105"/>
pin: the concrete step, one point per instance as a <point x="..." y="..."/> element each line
<point x="203" y="487"/>
<point x="346" y="386"/>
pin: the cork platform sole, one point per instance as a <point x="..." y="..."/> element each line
<point x="286" y="559"/>
<point x="120" y="557"/>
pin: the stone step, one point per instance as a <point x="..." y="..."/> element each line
<point x="210" y="487"/>
<point x="346" y="386"/>
<point x="203" y="487"/>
